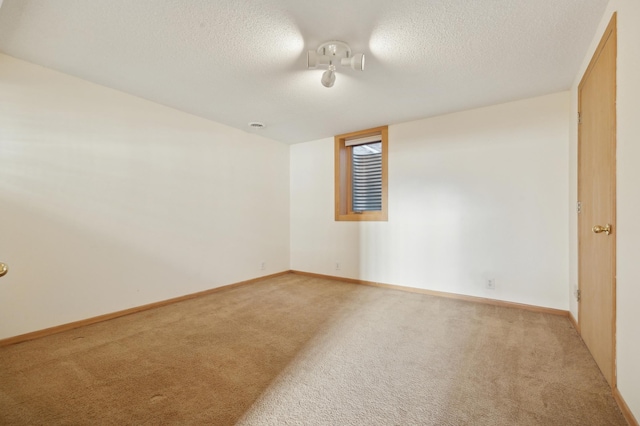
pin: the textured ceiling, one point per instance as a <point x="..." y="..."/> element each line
<point x="236" y="61"/>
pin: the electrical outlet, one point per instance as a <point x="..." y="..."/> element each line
<point x="263" y="265"/>
<point x="337" y="266"/>
<point x="491" y="284"/>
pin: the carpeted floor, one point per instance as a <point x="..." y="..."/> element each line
<point x="298" y="350"/>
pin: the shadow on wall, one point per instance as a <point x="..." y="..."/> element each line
<point x="62" y="271"/>
<point x="157" y="196"/>
<point x="91" y="225"/>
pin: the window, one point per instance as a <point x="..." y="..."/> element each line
<point x="361" y="175"/>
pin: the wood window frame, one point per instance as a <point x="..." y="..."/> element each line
<point x="343" y="201"/>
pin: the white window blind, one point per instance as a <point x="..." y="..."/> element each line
<point x="366" y="175"/>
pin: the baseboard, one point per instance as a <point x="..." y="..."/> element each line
<point x="574" y="322"/>
<point x="624" y="408"/>
<point x="628" y="415"/>
<point x="106" y="317"/>
<point x="475" y="299"/>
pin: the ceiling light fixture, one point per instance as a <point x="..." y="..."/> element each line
<point x="329" y="76"/>
<point x="334" y="53"/>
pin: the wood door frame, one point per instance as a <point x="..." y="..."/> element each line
<point x="610" y="31"/>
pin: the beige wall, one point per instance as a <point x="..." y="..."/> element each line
<point x="628" y="193"/>
<point x="472" y="195"/>
<point x="108" y="201"/>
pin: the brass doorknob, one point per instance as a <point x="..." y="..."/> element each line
<point x="599" y="229"/>
<point x="3" y="269"/>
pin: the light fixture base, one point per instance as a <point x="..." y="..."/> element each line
<point x="336" y="48"/>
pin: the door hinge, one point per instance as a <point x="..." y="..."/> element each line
<point x="579" y="207"/>
<point x="579" y="118"/>
<point x="578" y="295"/>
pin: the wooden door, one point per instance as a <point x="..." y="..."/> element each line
<point x="597" y="197"/>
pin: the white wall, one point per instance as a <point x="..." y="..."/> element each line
<point x="108" y="201"/>
<point x="628" y="194"/>
<point x="472" y="195"/>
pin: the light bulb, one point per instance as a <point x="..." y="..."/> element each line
<point x="356" y="62"/>
<point x="328" y="78"/>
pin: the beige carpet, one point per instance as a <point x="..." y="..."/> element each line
<point x="296" y="350"/>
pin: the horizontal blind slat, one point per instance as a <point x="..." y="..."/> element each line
<point x="366" y="179"/>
